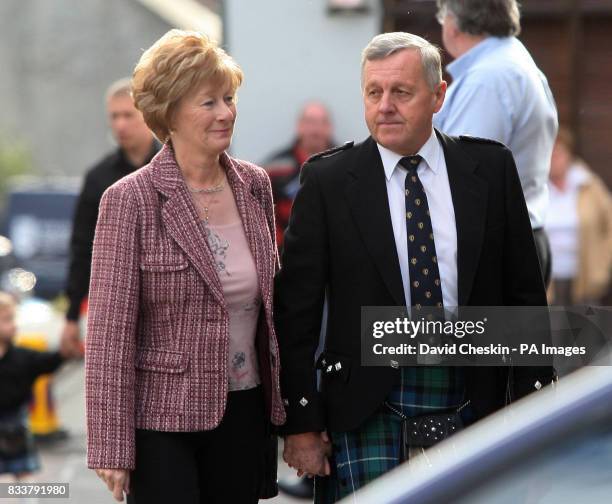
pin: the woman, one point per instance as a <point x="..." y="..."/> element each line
<point x="182" y="359"/>
<point x="579" y="225"/>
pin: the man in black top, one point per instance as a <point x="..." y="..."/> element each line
<point x="136" y="147"/>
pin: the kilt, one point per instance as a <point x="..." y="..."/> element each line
<point x="364" y="454"/>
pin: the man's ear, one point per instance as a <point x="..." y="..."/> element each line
<point x="439" y="94"/>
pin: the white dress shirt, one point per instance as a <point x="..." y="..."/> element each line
<point x="434" y="177"/>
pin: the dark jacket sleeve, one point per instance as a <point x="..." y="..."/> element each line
<point x="298" y="301"/>
<point x="81" y="244"/>
<point x="523" y="281"/>
<point x="43" y="362"/>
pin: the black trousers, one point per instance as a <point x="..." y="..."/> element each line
<point x="217" y="466"/>
<point x="543" y="250"/>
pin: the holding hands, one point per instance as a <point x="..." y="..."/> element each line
<point x="308" y="453"/>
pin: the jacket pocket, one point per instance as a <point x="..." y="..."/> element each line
<point x="160" y="263"/>
<point x="163" y="361"/>
<point x="161" y="382"/>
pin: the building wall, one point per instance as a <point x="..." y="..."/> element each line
<point x="292" y="52"/>
<point x="57" y="58"/>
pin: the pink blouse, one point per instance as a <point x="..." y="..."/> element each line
<point x="238" y="275"/>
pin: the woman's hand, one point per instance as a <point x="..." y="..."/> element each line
<point x="117" y="481"/>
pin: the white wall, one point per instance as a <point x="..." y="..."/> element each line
<point x="57" y="57"/>
<point x="292" y="51"/>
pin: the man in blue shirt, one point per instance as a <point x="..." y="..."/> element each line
<point x="498" y="92"/>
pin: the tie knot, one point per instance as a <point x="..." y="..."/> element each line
<point x="410" y="162"/>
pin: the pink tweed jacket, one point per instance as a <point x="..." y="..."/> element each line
<point x="158" y="328"/>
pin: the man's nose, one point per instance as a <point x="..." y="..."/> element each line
<point x="385" y="105"/>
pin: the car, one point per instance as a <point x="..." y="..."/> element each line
<point x="38" y="223"/>
<point x="554" y="446"/>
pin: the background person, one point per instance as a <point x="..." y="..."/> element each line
<point x="181" y="356"/>
<point x="19" y="368"/>
<point x="579" y="224"/>
<point x="498" y="92"/>
<point x="314" y="133"/>
<point x="136" y="147"/>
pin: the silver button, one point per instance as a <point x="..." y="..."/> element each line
<point x="338" y="366"/>
<point x="303" y="401"/>
<point x="286" y="402"/>
<point x="329" y="369"/>
<point x="537" y="385"/>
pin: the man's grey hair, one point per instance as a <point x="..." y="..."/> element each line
<point x="498" y="18"/>
<point x="386" y="44"/>
<point x="121" y="87"/>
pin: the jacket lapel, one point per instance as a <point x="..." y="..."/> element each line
<point x="181" y="220"/>
<point x="469" y="194"/>
<point x="367" y="197"/>
<point x="254" y="222"/>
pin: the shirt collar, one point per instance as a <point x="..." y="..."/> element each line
<point x="430" y="152"/>
<point x="463" y="63"/>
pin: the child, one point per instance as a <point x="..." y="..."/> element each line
<point x="19" y="367"/>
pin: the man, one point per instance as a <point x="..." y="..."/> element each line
<point x="352" y="233"/>
<point x="136" y="147"/>
<point x="498" y="92"/>
<point x="314" y="132"/>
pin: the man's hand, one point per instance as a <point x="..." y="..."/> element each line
<point x="308" y="453"/>
<point x="117" y="481"/>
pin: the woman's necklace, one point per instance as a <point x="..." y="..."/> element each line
<point x="207" y="200"/>
<point x="208" y="190"/>
<point x="207" y="194"/>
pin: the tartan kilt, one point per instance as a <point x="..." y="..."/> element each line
<point x="364" y="454"/>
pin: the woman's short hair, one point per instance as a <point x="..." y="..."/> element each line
<point x="171" y="68"/>
<point x="386" y="44"/>
<point x="498" y="18"/>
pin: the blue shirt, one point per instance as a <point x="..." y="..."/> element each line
<point x="498" y="92"/>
